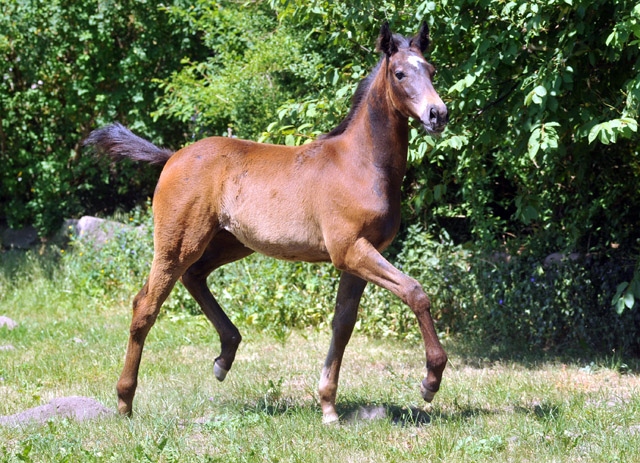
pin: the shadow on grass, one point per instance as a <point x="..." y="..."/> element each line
<point x="354" y="412"/>
<point x="479" y="353"/>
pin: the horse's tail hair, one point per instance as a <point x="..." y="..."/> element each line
<point x="117" y="141"/>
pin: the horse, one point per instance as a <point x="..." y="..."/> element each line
<point x="336" y="199"/>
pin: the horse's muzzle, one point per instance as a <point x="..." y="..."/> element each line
<point x="436" y="119"/>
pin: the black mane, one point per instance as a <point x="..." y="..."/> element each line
<point x="363" y="89"/>
<point x="356" y="102"/>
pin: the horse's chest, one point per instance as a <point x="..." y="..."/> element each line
<point x="380" y="219"/>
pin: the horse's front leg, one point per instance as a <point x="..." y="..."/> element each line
<point x="349" y="294"/>
<point x="363" y="260"/>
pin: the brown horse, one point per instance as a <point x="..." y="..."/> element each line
<point x="336" y="199"/>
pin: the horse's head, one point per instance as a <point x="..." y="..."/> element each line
<point x="409" y="76"/>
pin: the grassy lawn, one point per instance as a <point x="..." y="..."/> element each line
<point x="492" y="406"/>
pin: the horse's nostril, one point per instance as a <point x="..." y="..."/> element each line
<point x="433" y="115"/>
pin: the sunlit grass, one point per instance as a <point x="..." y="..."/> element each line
<point x="492" y="407"/>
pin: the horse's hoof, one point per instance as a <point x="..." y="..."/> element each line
<point x="124" y="409"/>
<point x="219" y="372"/>
<point x="427" y="395"/>
<point x="330" y="418"/>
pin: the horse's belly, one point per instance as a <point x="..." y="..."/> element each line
<point x="285" y="238"/>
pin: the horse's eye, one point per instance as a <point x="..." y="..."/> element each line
<point x="399" y="75"/>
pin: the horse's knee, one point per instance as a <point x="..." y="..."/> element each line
<point x="417" y="299"/>
<point x="142" y="322"/>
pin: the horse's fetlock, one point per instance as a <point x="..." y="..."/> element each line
<point x="236" y="339"/>
<point x="126" y="388"/>
<point x="233" y="339"/>
<point x="437" y="362"/>
<point x="327" y="391"/>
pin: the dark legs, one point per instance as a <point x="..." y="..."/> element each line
<point x="363" y="260"/>
<point x="224" y="248"/>
<point x="169" y="263"/>
<point x="349" y="294"/>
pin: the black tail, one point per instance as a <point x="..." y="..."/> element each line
<point x="117" y="141"/>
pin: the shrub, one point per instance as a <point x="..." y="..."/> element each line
<point x="66" y="68"/>
<point x="562" y="304"/>
<point x="117" y="267"/>
<point x="518" y="300"/>
<point x="443" y="270"/>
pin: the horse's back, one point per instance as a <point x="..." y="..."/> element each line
<point x="263" y="194"/>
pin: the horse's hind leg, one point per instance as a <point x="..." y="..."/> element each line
<point x="349" y="294"/>
<point x="222" y="249"/>
<point x="146" y="306"/>
<point x="171" y="258"/>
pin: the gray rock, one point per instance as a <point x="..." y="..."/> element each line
<point x="97" y="231"/>
<point x="6" y="321"/>
<point x="93" y="231"/>
<point x="559" y="257"/>
<point x="75" y="408"/>
<point x="21" y="238"/>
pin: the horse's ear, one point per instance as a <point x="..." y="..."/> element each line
<point x="421" y="40"/>
<point x="385" y="43"/>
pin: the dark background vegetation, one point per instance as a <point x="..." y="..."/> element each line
<point x="541" y="156"/>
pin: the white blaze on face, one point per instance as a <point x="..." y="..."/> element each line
<point x="415" y="61"/>
<point x="421" y="105"/>
<point x="422" y="101"/>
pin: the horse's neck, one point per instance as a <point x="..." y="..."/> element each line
<point x="380" y="134"/>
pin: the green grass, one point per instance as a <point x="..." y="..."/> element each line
<point x="493" y="406"/>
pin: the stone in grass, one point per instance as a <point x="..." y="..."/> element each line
<point x="75" y="408"/>
<point x="7" y="322"/>
<point x="366" y="412"/>
<point x="22" y="238"/>
<point x="98" y="231"/>
<point x="93" y="231"/>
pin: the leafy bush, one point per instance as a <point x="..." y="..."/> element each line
<point x="66" y="68"/>
<point x="443" y="270"/>
<point x="562" y="303"/>
<point x="116" y="268"/>
<point x="520" y="299"/>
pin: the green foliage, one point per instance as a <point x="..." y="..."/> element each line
<point x="66" y="68"/>
<point x="627" y="295"/>
<point x="546" y="92"/>
<point x="117" y="267"/>
<point x="239" y="86"/>
<point x="562" y="303"/>
<point x="543" y="96"/>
